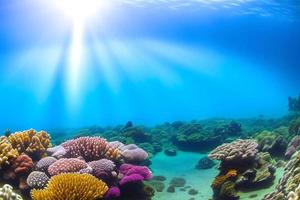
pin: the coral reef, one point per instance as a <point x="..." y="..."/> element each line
<point x="68" y="165"/>
<point x="31" y="142"/>
<point x="6" y="193"/>
<point x="90" y="148"/>
<point x="287" y="187"/>
<point x="7" y="152"/>
<point x="293" y="146"/>
<point x="37" y="179"/>
<point x="294" y="126"/>
<point x="71" y="187"/>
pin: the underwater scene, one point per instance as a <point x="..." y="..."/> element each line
<point x="150" y="100"/>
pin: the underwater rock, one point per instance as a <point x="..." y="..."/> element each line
<point x="170" y="152"/>
<point x="178" y="182"/>
<point x="205" y="163"/>
<point x="159" y="178"/>
<point x="193" y="192"/>
<point x="157" y="185"/>
<point x="171" y="189"/>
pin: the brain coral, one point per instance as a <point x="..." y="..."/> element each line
<point x="71" y="187"/>
<point x="31" y="142"/>
<point x="44" y="163"/>
<point x="90" y="148"/>
<point x="68" y="165"/>
<point x="37" y="179"/>
<point x="236" y="151"/>
<point x="7" y="153"/>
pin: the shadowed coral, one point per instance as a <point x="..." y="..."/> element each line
<point x="102" y="168"/>
<point x="37" y="179"/>
<point x="90" y="148"/>
<point x="7" y="153"/>
<point x="31" y="142"/>
<point x="71" y="187"/>
<point x="68" y="165"/>
<point x="44" y="163"/>
<point x="219" y="180"/>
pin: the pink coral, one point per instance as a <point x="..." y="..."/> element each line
<point x="90" y="148"/>
<point x="113" y="192"/>
<point x="238" y="150"/>
<point x="102" y="168"/>
<point x="131" y="152"/>
<point x="292" y="147"/>
<point x="133" y="173"/>
<point x="44" y="163"/>
<point x="68" y="165"/>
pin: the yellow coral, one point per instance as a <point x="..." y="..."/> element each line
<point x="30" y="142"/>
<point x="219" y="180"/>
<point x="7" y="153"/>
<point x="71" y="187"/>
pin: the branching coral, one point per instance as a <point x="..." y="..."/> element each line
<point x="31" y="142"/>
<point x="71" y="187"/>
<point x="23" y="164"/>
<point x="90" y="148"/>
<point x="7" y="153"/>
<point x="6" y="193"/>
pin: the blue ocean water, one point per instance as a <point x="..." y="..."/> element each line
<point x="146" y="61"/>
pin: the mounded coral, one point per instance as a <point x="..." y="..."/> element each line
<point x="37" y="179"/>
<point x="133" y="173"/>
<point x="71" y="187"/>
<point x="31" y="142"/>
<point x="68" y="165"/>
<point x="7" y="152"/>
<point x="6" y="193"/>
<point x="23" y="164"/>
<point x="44" y="163"/>
<point x="90" y="148"/>
<point x="205" y="163"/>
<point x="102" y="168"/>
<point x="239" y="150"/>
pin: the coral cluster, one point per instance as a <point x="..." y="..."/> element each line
<point x="71" y="187"/>
<point x="90" y="148"/>
<point x="37" y="179"/>
<point x="241" y="168"/>
<point x="30" y="142"/>
<point x="68" y="165"/>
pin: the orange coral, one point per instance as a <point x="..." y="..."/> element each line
<point x="7" y="153"/>
<point x="72" y="187"/>
<point x="30" y="142"/>
<point x="219" y="180"/>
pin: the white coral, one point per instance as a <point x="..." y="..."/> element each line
<point x="6" y="193"/>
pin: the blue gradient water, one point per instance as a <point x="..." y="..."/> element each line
<point x="147" y="61"/>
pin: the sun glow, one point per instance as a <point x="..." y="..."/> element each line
<point x="80" y="9"/>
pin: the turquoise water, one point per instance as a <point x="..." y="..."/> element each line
<point x="145" y="61"/>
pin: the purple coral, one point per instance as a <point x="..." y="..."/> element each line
<point x="131" y="152"/>
<point x="102" y="168"/>
<point x="113" y="192"/>
<point x="37" y="179"/>
<point x="69" y="165"/>
<point x="44" y="163"/>
<point x="90" y="148"/>
<point x="238" y="150"/>
<point x="133" y="173"/>
<point x="292" y="147"/>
